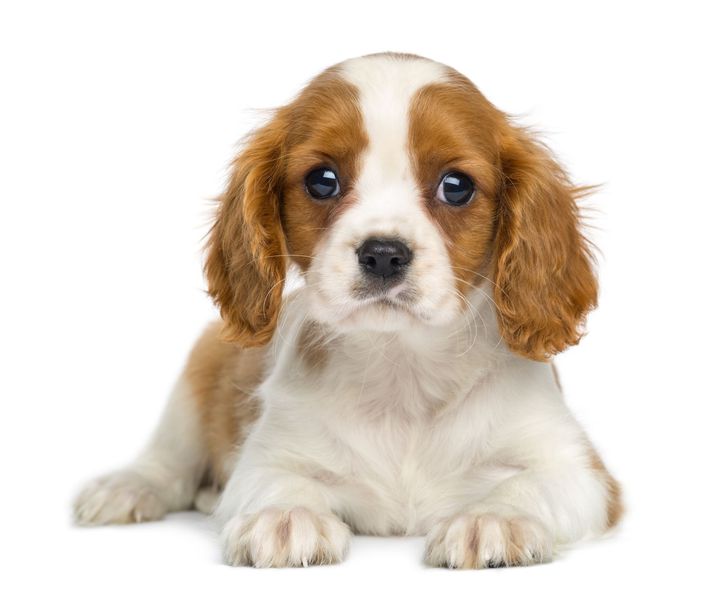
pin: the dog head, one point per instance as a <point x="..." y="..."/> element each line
<point x="398" y="189"/>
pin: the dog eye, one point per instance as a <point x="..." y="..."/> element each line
<point x="455" y="189"/>
<point x="322" y="183"/>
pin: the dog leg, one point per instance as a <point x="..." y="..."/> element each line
<point x="164" y="478"/>
<point x="525" y="517"/>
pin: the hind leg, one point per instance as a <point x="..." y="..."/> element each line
<point x="164" y="478"/>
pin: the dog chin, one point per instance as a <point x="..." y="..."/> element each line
<point x="379" y="316"/>
<point x="376" y="316"/>
<point x="390" y="317"/>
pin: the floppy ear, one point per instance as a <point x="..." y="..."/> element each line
<point x="545" y="283"/>
<point x="245" y="265"/>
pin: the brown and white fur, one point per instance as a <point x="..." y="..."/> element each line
<point x="430" y="408"/>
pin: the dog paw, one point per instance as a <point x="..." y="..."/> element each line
<point x="120" y="498"/>
<point x="285" y="538"/>
<point x="475" y="541"/>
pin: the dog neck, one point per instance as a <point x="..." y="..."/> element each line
<point x="410" y="372"/>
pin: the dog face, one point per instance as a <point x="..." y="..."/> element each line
<point x="398" y="190"/>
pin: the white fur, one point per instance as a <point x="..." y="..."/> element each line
<point x="403" y="430"/>
<point x="420" y="421"/>
<point x="307" y="538"/>
<point x="500" y="532"/>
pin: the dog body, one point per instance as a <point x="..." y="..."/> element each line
<point x="405" y="387"/>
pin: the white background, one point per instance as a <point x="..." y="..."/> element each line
<point x="117" y="121"/>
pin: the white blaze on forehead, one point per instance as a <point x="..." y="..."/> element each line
<point x="387" y="85"/>
<point x="387" y="203"/>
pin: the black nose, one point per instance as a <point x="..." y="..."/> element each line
<point x="384" y="257"/>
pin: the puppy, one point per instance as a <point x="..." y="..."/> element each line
<point x="405" y="386"/>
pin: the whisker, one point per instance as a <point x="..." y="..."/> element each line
<point x="270" y="290"/>
<point x="255" y="260"/>
<point x="476" y="273"/>
<point x="472" y="309"/>
<point x="486" y="295"/>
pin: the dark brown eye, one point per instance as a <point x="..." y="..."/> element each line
<point x="322" y="183"/>
<point x="455" y="189"/>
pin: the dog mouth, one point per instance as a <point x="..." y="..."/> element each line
<point x="395" y="295"/>
<point x="400" y="303"/>
<point x="387" y="303"/>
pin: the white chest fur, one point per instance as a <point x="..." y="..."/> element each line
<point x="397" y="429"/>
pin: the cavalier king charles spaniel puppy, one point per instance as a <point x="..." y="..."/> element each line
<point x="395" y="263"/>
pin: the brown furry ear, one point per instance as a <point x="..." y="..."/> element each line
<point x="545" y="282"/>
<point x="245" y="266"/>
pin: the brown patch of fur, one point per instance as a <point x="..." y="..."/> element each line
<point x="245" y="267"/>
<point x="615" y="508"/>
<point x="515" y="542"/>
<point x="545" y="283"/>
<point x="451" y="129"/>
<point x="523" y="221"/>
<point x="472" y="545"/>
<point x="311" y="346"/>
<point x="222" y="377"/>
<point x="265" y="216"/>
<point x="282" y="530"/>
<point x="326" y="131"/>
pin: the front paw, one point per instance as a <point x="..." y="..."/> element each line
<point x="492" y="539"/>
<point x="123" y="497"/>
<point x="285" y="538"/>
